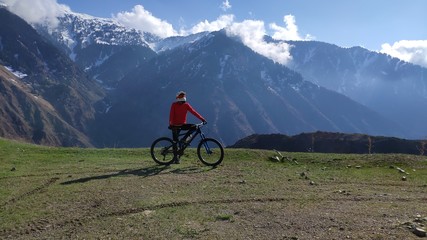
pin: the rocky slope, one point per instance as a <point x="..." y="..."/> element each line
<point x="48" y="74"/>
<point x="28" y="117"/>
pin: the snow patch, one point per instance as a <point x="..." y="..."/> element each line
<point x="309" y="55"/>
<point x="18" y="74"/>
<point x="273" y="91"/>
<point x="266" y="78"/>
<point x="222" y="63"/>
<point x="297" y="86"/>
<point x="108" y="109"/>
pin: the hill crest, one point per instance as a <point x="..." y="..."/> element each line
<point x="332" y="142"/>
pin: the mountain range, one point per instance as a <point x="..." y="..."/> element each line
<point x="100" y="84"/>
<point x="394" y="88"/>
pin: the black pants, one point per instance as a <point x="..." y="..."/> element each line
<point x="177" y="129"/>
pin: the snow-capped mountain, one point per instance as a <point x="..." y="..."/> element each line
<point x="77" y="31"/>
<point x="394" y="88"/>
<point x="105" y="49"/>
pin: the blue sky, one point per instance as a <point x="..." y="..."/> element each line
<point x="395" y="27"/>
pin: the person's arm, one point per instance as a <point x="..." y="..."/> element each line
<point x="195" y="113"/>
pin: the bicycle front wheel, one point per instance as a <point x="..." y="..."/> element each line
<point x="162" y="151"/>
<point x="210" y="152"/>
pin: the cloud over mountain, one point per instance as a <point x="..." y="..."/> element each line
<point x="38" y="11"/>
<point x="143" y="20"/>
<point x="252" y="34"/>
<point x="414" y="51"/>
<point x="290" y="32"/>
<point x="221" y="22"/>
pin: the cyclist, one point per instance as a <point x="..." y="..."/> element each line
<point x="178" y="119"/>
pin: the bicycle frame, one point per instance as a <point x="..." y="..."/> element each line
<point x="184" y="144"/>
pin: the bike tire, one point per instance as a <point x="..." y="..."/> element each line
<point x="210" y="152"/>
<point x="162" y="151"/>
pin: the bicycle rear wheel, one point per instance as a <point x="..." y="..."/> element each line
<point x="162" y="151"/>
<point x="210" y="152"/>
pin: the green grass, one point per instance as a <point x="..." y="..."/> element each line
<point x="78" y="193"/>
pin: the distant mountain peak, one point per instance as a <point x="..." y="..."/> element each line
<point x="176" y="41"/>
<point x="77" y="31"/>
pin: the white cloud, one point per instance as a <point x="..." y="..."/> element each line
<point x="290" y="32"/>
<point x="143" y="20"/>
<point x="413" y="51"/>
<point x="225" y="5"/>
<point x="222" y="22"/>
<point x="251" y="32"/>
<point x="252" y="35"/>
<point x="37" y="11"/>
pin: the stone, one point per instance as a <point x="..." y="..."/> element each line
<point x="420" y="232"/>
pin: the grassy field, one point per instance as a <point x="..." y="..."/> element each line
<point x="73" y="193"/>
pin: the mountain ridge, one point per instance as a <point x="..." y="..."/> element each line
<point x="332" y="142"/>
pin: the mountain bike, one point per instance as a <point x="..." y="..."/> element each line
<point x="209" y="151"/>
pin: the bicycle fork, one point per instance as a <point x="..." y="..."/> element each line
<point x="205" y="144"/>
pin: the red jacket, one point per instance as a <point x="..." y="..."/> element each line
<point x="178" y="113"/>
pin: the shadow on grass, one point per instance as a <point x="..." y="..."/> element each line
<point x="142" y="172"/>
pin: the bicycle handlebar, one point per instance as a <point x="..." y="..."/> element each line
<point x="201" y="124"/>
